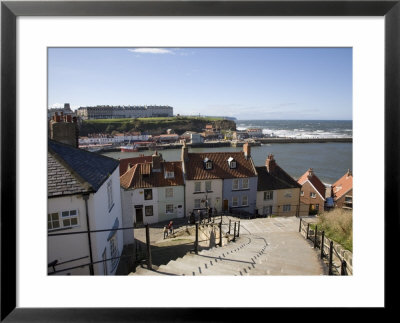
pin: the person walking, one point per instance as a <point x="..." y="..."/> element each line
<point x="171" y="227"/>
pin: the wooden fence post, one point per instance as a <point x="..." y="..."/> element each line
<point x="234" y="232"/>
<point x="330" y="257"/>
<point x="196" y="243"/>
<point x="343" y="271"/>
<point x="315" y="236"/>
<point x="322" y="244"/>
<point x="238" y="229"/>
<point x="308" y="228"/>
<point x="229" y="230"/>
<point x="300" y="225"/>
<point x="148" y="247"/>
<point x="220" y="234"/>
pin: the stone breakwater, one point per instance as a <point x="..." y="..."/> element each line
<point x="302" y="140"/>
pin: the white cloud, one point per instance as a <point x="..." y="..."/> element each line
<point x="151" y="51"/>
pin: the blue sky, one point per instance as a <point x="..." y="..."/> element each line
<point x="246" y="83"/>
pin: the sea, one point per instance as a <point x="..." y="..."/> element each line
<point x="330" y="160"/>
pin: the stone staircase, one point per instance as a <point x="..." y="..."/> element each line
<point x="265" y="247"/>
<point x="236" y="258"/>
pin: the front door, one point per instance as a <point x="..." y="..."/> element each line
<point x="139" y="216"/>
<point x="180" y="211"/>
<point x="226" y="205"/>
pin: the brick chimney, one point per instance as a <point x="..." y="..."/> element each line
<point x="349" y="173"/>
<point x="185" y="153"/>
<point x="270" y="163"/>
<point x="310" y="173"/>
<point x="156" y="162"/>
<point x="247" y="150"/>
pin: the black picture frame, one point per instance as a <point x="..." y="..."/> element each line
<point x="10" y="10"/>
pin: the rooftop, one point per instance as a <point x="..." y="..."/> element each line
<point x="66" y="162"/>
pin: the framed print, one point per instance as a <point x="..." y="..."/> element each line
<point x="187" y="24"/>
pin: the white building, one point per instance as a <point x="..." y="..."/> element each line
<point x="152" y="191"/>
<point x="83" y="195"/>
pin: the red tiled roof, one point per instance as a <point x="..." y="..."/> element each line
<point x="314" y="180"/>
<point x="195" y="166"/>
<point x="140" y="177"/>
<point x="123" y="163"/>
<point x="342" y="186"/>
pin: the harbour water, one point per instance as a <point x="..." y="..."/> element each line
<point x="330" y="161"/>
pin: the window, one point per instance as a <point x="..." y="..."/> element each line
<point x="286" y="208"/>
<point x="245" y="200"/>
<point x="169" y="208"/>
<point x="148" y="210"/>
<point x="317" y="207"/>
<point x="232" y="163"/>
<point x="148" y="194"/>
<point x="114" y="252"/>
<point x="169" y="174"/>
<point x="348" y="199"/>
<point x="235" y="201"/>
<point x="235" y="184"/>
<point x="197" y="186"/>
<point x="110" y="195"/>
<point x="288" y="195"/>
<point x="62" y="220"/>
<point x="169" y="192"/>
<point x="197" y="203"/>
<point x="208" y="186"/>
<point x="53" y="221"/>
<point x="313" y="195"/>
<point x="245" y="183"/>
<point x="302" y="193"/>
<point x="209" y="165"/>
<point x="269" y="195"/>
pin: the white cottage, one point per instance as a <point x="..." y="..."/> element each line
<point x="83" y="195"/>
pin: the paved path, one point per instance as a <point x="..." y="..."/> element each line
<point x="266" y="246"/>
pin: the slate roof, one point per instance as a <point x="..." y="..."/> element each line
<point x="141" y="176"/>
<point x="315" y="181"/>
<point x="195" y="166"/>
<point x="60" y="181"/>
<point x="84" y="171"/>
<point x="276" y="180"/>
<point x="342" y="185"/>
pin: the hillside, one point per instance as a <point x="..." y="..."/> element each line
<point x="153" y="126"/>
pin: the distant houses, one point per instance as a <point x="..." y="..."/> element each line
<point x="83" y="195"/>
<point x="220" y="181"/>
<point x="152" y="190"/>
<point x="342" y="191"/>
<point x="312" y="194"/>
<point x="277" y="192"/>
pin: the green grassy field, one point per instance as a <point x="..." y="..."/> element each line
<point x="156" y="125"/>
<point x="151" y="120"/>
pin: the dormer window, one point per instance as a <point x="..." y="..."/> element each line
<point x="208" y="163"/>
<point x="231" y="163"/>
<point x="169" y="174"/>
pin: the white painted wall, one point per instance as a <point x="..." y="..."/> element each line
<point x="68" y="247"/>
<point x="215" y="195"/>
<point x="103" y="218"/>
<point x="138" y="199"/>
<point x="261" y="203"/>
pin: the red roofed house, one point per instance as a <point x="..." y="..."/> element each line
<point x="152" y="191"/>
<point x="342" y="191"/>
<point x="312" y="194"/>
